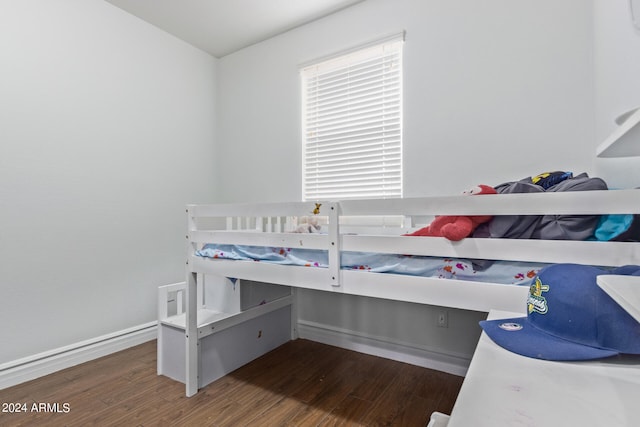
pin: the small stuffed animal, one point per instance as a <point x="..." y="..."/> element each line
<point x="308" y="225"/>
<point x="456" y="227"/>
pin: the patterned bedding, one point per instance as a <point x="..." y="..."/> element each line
<point x="504" y="272"/>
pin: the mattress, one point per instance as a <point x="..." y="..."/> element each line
<point x="502" y="272"/>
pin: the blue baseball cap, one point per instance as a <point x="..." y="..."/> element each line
<point x="569" y="318"/>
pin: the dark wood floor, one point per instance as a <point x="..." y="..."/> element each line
<point x="301" y="383"/>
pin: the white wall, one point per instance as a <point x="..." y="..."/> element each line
<point x="106" y="132"/>
<point x="617" y="86"/>
<point x="497" y="86"/>
<point x="494" y="91"/>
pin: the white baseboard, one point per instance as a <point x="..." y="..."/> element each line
<point x="455" y="364"/>
<point x="32" y="367"/>
<point x="29" y="368"/>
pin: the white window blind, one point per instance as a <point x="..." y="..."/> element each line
<point x="352" y="124"/>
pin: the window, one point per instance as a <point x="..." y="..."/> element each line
<point x="352" y="124"/>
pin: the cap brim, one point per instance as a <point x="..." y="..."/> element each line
<point x="519" y="336"/>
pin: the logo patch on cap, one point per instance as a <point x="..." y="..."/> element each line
<point x="536" y="302"/>
<point x="510" y="326"/>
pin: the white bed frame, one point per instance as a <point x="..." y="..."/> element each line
<point x="263" y="225"/>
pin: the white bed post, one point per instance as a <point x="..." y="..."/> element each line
<point x="294" y="313"/>
<point x="191" y="324"/>
<point x="334" y="244"/>
<point x="191" y="335"/>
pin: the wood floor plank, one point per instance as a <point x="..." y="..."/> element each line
<point x="301" y="383"/>
<point x="377" y="381"/>
<point x="392" y="402"/>
<point x="450" y="390"/>
<point x="323" y="403"/>
<point x="349" y="412"/>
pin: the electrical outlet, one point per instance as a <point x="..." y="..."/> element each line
<point x="442" y="320"/>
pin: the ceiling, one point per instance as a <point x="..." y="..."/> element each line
<point x="221" y="27"/>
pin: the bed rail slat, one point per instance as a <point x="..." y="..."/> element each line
<point x="575" y="202"/>
<point x="547" y="251"/>
<point x="302" y="277"/>
<point x="256" y="209"/>
<point x="477" y="296"/>
<point x="288" y="240"/>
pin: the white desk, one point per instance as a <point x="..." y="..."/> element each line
<point x="504" y="389"/>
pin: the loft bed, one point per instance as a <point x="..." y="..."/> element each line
<point x="352" y="227"/>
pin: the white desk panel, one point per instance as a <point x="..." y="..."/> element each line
<point x="505" y="389"/>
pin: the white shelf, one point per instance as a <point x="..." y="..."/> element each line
<point x="211" y="321"/>
<point x="625" y="290"/>
<point x="625" y="139"/>
<point x="205" y="317"/>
